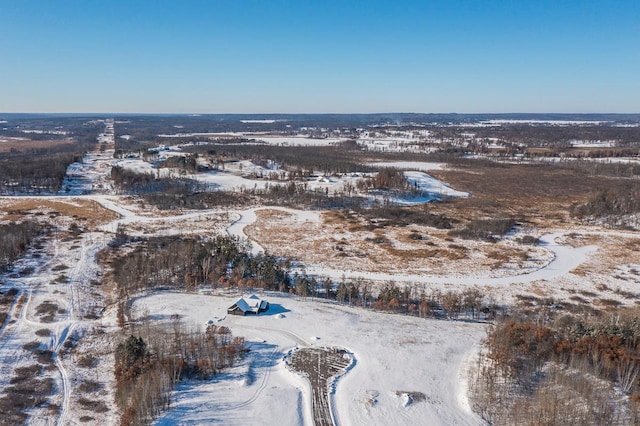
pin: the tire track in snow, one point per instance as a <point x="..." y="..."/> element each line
<point x="299" y="340"/>
<point x="66" y="385"/>
<point x="9" y="352"/>
<point x="72" y="321"/>
<point x="265" y="377"/>
<point x="256" y="394"/>
<point x="13" y="333"/>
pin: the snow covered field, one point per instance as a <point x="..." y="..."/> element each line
<point x="394" y="355"/>
<point x="263" y="137"/>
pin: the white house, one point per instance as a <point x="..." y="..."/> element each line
<point x="248" y="305"/>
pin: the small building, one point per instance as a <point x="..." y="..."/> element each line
<point x="248" y="305"/>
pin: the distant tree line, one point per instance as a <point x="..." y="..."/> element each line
<point x="168" y="193"/>
<point x="187" y="164"/>
<point x="415" y="300"/>
<point x="174" y="192"/>
<point x="42" y="170"/>
<point x="404" y="216"/>
<point x="341" y="158"/>
<point x="387" y="179"/>
<point x="131" y="182"/>
<point x="535" y="135"/>
<point x="585" y="167"/>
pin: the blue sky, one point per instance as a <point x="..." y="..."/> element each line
<point x="244" y="56"/>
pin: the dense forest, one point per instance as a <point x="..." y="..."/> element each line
<point x="186" y="263"/>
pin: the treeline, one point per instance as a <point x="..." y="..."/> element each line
<point x="35" y="174"/>
<point x="187" y="164"/>
<point x="341" y="158"/>
<point x="544" y="135"/>
<point x="618" y="205"/>
<point x="299" y="195"/>
<point x="595" y="168"/>
<point x="560" y="370"/>
<point x="378" y="217"/>
<point x="131" y="182"/>
<point x="197" y="201"/>
<point x="387" y="179"/>
<point x="168" y="193"/>
<point x="148" y="367"/>
<point x="180" y="192"/>
<point x="411" y="300"/>
<point x="185" y="263"/>
<point x="485" y="229"/>
<point x="15" y="238"/>
<point x="451" y="304"/>
<point x="188" y="263"/>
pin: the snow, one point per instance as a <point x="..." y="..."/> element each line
<point x="263" y="137"/>
<point x="227" y="181"/>
<point x="89" y="176"/>
<point x="74" y="299"/>
<point x="392" y="353"/>
<point x="593" y="144"/>
<point x="138" y="165"/>
<point x="426" y="183"/>
<point x="298" y="140"/>
<point x="408" y="165"/>
<point x="551" y="122"/>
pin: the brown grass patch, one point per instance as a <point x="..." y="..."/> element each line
<point x="540" y="193"/>
<point x="632" y="245"/>
<point x="25" y="144"/>
<point x="343" y="241"/>
<point x="93" y="405"/>
<point x="538" y="291"/>
<point x="580" y="271"/>
<point x="607" y="303"/>
<point x="87" y="211"/>
<point x="581" y="240"/>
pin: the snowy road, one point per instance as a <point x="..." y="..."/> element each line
<point x="565" y="259"/>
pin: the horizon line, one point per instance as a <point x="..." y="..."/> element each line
<point x="317" y="113"/>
